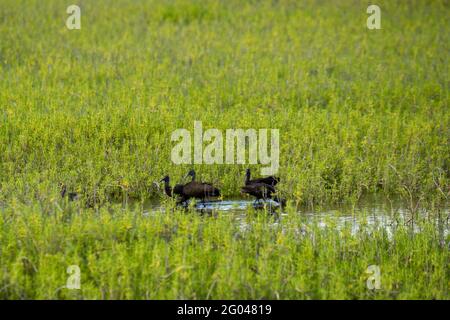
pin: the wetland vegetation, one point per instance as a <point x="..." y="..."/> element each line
<point x="360" y="112"/>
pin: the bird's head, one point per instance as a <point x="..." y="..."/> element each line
<point x="165" y="179"/>
<point x="191" y="173"/>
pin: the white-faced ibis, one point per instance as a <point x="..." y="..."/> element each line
<point x="72" y="196"/>
<point x="271" y="180"/>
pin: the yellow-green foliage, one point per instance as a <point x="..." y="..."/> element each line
<point x="358" y="110"/>
<point x="123" y="254"/>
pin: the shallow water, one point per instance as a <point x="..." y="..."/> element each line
<point x="232" y="206"/>
<point x="370" y="213"/>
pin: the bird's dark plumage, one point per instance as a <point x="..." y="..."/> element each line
<point x="177" y="190"/>
<point x="271" y="180"/>
<point x="259" y="190"/>
<point x="199" y="190"/>
<point x="193" y="189"/>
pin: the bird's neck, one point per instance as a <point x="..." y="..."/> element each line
<point x="167" y="188"/>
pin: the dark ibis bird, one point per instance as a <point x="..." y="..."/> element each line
<point x="192" y="189"/>
<point x="271" y="180"/>
<point x="262" y="188"/>
<point x="177" y="190"/>
<point x="72" y="196"/>
<point x="261" y="191"/>
<point x="199" y="190"/>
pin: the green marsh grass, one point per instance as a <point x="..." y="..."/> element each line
<point x="124" y="254"/>
<point x="359" y="111"/>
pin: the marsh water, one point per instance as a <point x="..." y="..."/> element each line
<point x="371" y="212"/>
